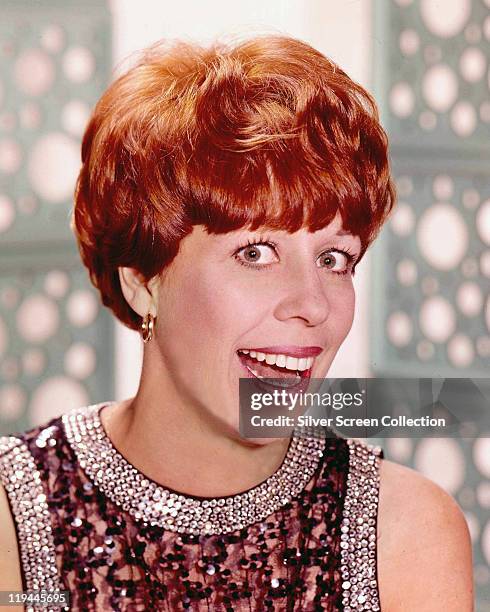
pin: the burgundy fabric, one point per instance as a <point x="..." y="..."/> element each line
<point x="110" y="561"/>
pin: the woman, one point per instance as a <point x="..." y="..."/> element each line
<point x="225" y="199"/>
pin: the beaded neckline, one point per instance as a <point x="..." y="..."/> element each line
<point x="154" y="504"/>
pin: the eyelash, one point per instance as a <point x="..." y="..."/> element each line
<point x="263" y="240"/>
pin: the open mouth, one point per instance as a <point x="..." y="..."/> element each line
<point x="276" y="371"/>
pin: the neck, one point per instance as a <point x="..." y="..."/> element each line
<point x="172" y="446"/>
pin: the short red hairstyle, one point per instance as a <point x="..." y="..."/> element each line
<point x="268" y="133"/>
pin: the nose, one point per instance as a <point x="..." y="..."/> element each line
<point x="304" y="296"/>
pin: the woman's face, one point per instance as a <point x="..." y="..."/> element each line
<point x="271" y="290"/>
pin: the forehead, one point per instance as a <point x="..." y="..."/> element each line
<point x="201" y="237"/>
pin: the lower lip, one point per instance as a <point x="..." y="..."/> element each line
<point x="302" y="386"/>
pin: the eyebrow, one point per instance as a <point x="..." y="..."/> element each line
<point x="345" y="233"/>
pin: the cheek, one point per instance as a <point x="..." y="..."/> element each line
<point x="207" y="311"/>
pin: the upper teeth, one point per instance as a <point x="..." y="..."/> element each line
<point x="283" y="361"/>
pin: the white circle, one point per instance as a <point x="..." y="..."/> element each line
<point x="471" y="198"/>
<point x="78" y="64"/>
<point x="483" y="222"/>
<point x="437" y="319"/>
<point x="34" y="72"/>
<point x="4" y="338"/>
<point x="54" y="397"/>
<point x="485" y="542"/>
<point x="485" y="263"/>
<point x="400" y="449"/>
<point x="56" y="283"/>
<point x="403" y="219"/>
<point x="481" y="455"/>
<point x="10" y="156"/>
<point x="81" y="308"/>
<point x="79" y="360"/>
<point x="37" y="318"/>
<point x="440" y="87"/>
<point x="52" y="38"/>
<point x="460" y="351"/>
<point x="464" y="119"/>
<point x="402" y="100"/>
<point x="441" y="460"/>
<point x="483" y="494"/>
<point x="473" y="64"/>
<point x="54" y="164"/>
<point x="442" y="236"/>
<point x="399" y="328"/>
<point x="74" y="117"/>
<point x="33" y="361"/>
<point x="12" y="402"/>
<point x="7" y="213"/>
<point x="406" y="272"/>
<point x="409" y="42"/>
<point x="445" y="19"/>
<point x="469" y="299"/>
<point x="443" y="187"/>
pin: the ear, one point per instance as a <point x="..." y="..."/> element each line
<point x="140" y="294"/>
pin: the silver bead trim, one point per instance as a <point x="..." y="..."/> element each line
<point x="358" y="531"/>
<point x="22" y="482"/>
<point x="153" y="504"/>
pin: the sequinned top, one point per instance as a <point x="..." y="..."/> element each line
<point x="89" y="522"/>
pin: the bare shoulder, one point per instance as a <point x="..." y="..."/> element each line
<point x="10" y="576"/>
<point x="424" y="547"/>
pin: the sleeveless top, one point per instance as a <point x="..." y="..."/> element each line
<point x="89" y="522"/>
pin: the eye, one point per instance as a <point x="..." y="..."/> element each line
<point x="337" y="261"/>
<point x="259" y="253"/>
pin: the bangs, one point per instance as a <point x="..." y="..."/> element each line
<point x="267" y="134"/>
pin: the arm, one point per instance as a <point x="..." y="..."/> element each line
<point x="424" y="547"/>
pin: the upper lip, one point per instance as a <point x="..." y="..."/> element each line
<point x="290" y="350"/>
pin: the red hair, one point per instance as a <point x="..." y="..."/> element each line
<point x="268" y="133"/>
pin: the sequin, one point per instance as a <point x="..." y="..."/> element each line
<point x="315" y="550"/>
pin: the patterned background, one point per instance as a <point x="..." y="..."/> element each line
<point x="430" y="304"/>
<point x="55" y="338"/>
<point x="430" y="298"/>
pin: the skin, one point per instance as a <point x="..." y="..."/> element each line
<point x="207" y="306"/>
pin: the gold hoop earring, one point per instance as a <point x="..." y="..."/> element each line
<point x="147" y="328"/>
